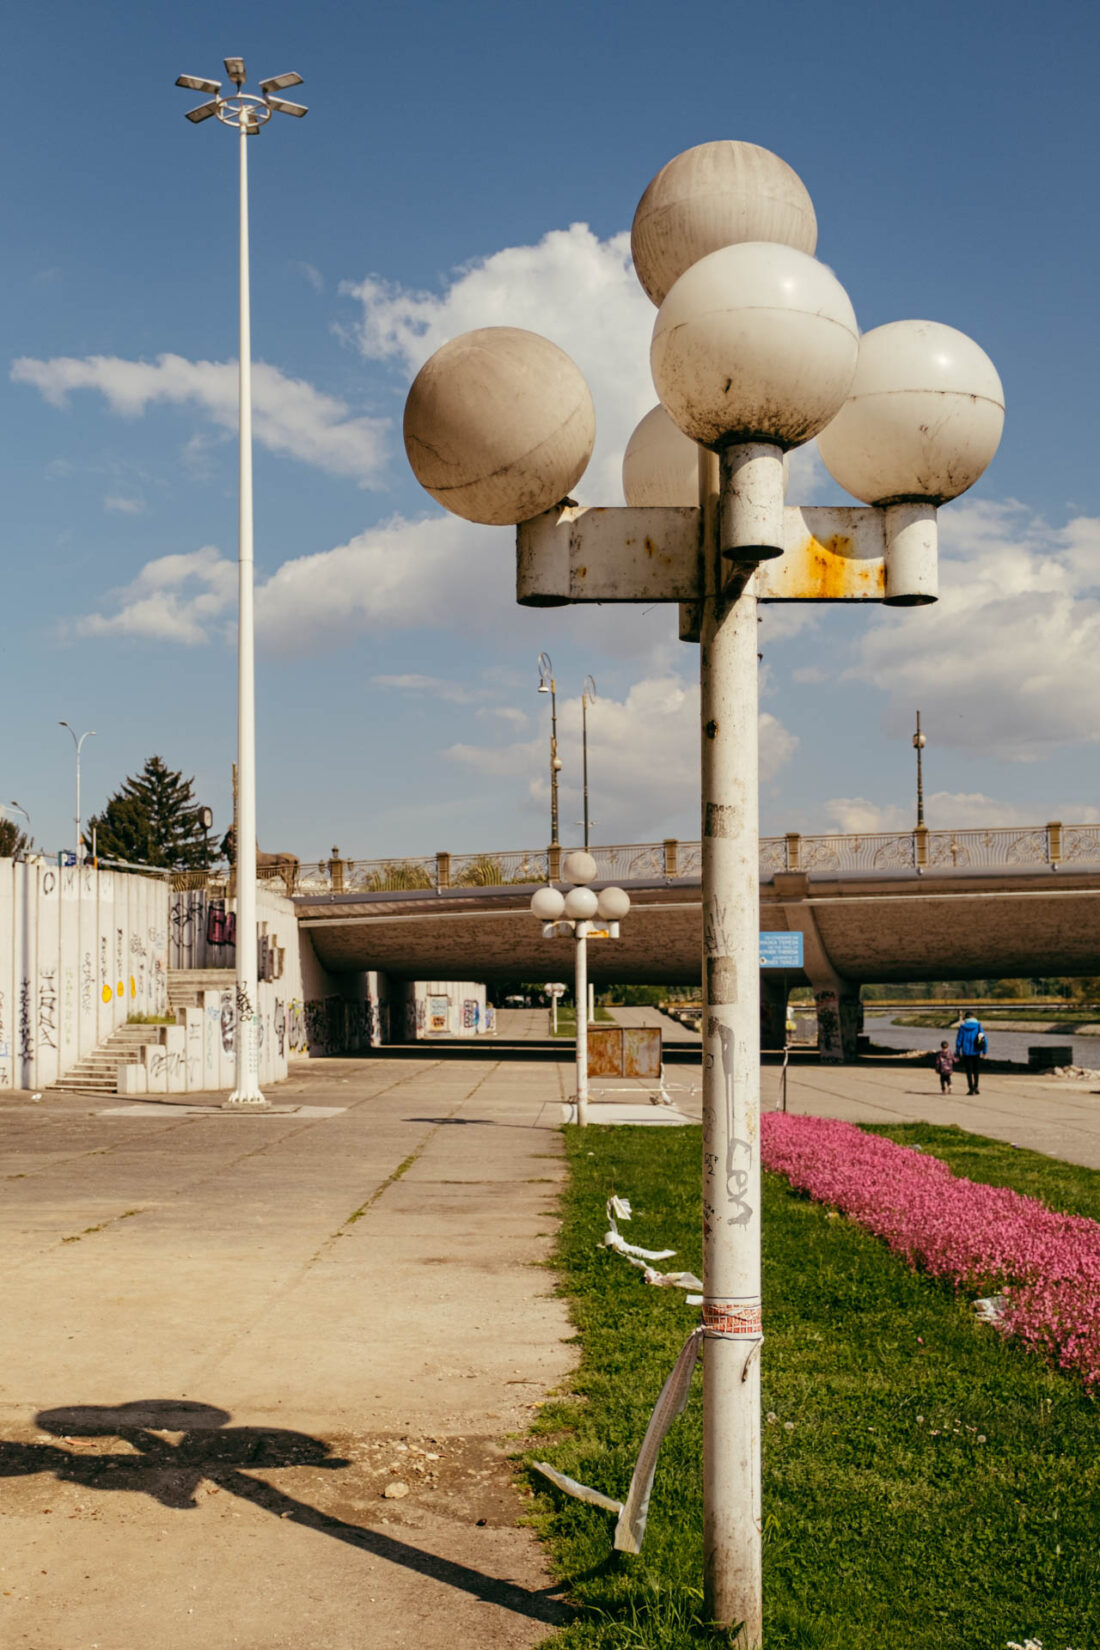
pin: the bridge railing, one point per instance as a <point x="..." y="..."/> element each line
<point x="999" y="847"/>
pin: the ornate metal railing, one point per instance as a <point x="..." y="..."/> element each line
<point x="1001" y="847"/>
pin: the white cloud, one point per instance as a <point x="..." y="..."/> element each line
<point x="1007" y="662"/>
<point x="643" y="761"/>
<point x="173" y="599"/>
<point x="123" y="505"/>
<point x="289" y="415"/>
<point x="949" y="811"/>
<point x="573" y="288"/>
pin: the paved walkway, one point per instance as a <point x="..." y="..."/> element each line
<point x="225" y="1335"/>
<point x="1046" y="1114"/>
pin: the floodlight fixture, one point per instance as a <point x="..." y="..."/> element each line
<point x="284" y="108"/>
<point x="196" y="83"/>
<point x="279" y="82"/>
<point x="203" y="112"/>
<point x="234" y="68"/>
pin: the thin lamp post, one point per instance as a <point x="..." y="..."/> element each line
<point x="587" y="692"/>
<point x="89" y="734"/>
<point x="246" y="113"/>
<point x="548" y="685"/>
<point x="919" y="742"/>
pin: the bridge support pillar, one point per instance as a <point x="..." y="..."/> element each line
<point x="773" y="1011"/>
<point x="839" y="1021"/>
<point x="839" y="1010"/>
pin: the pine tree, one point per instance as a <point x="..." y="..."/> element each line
<point x="13" y="840"/>
<point x="152" y="820"/>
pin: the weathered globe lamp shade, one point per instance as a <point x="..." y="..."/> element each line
<point x="754" y="343"/>
<point x="612" y="904"/>
<point x="579" y="866"/>
<point x="580" y="904"/>
<point x="661" y="464"/>
<point x="547" y="904"/>
<point x="499" y="425"/>
<point x="923" y="417"/>
<point x="717" y="194"/>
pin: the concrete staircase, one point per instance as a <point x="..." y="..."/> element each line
<point x="97" y="1073"/>
<point x="186" y="985"/>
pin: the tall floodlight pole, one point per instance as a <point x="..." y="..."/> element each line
<point x="548" y="685"/>
<point x="246" y="113"/>
<point x="90" y="734"/>
<point x="919" y="742"/>
<point x="588" y="692"/>
<point x="755" y="351"/>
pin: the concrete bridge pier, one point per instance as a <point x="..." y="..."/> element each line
<point x="773" y="1010"/>
<point x="839" y="1010"/>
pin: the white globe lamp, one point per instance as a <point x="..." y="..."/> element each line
<point x="923" y="417"/>
<point x="499" y="425"/>
<point x="613" y="904"/>
<point x="717" y="194"/>
<point x="580" y="904"/>
<point x="661" y="464"/>
<point x="578" y="866"/>
<point x="754" y="343"/>
<point x="547" y="904"/>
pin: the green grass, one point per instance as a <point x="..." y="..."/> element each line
<point x="567" y="1020"/>
<point x="878" y="1533"/>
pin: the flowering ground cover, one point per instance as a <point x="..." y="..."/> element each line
<point x="980" y="1238"/>
<point x="926" y="1484"/>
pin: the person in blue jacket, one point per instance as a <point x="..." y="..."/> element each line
<point x="970" y="1045"/>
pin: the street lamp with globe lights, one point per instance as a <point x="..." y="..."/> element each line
<point x="755" y="351"/>
<point x="245" y="113"/>
<point x="547" y="684"/>
<point x="573" y="912"/>
<point x="919" y="742"/>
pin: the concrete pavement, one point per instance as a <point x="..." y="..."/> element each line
<point x="226" y="1335"/>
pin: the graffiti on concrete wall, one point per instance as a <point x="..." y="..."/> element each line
<point x="47" y="1008"/>
<point x="26" y="1045"/>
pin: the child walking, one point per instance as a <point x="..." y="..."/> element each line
<point x="945" y="1065"/>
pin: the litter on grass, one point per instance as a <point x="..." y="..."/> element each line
<point x="613" y="1239"/>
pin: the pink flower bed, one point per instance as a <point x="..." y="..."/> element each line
<point x="980" y="1238"/>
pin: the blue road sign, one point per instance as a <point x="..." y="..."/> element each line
<point x="781" y="950"/>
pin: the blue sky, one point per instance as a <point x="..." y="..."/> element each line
<point x="472" y="165"/>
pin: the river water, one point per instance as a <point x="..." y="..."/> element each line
<point x="1003" y="1045"/>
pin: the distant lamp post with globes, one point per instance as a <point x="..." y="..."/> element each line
<point x="919" y="742"/>
<point x="574" y="911"/>
<point x="756" y="350"/>
<point x="245" y="113"/>
<point x="78" y="742"/>
<point x="548" y="685"/>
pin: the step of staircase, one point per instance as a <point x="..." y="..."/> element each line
<point x="97" y="1072"/>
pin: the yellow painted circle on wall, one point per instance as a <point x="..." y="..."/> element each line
<point x="133" y="986"/>
<point x="122" y="988"/>
<point x="107" y="993"/>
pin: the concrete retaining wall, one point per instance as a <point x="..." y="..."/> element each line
<point x="80" y="951"/>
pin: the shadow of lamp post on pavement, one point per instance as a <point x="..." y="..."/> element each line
<point x="755" y="351"/>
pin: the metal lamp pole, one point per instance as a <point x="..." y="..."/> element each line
<point x="548" y="685"/>
<point x="246" y="113"/>
<point x="587" y="692"/>
<point x="919" y="742"/>
<point x="90" y="734"/>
